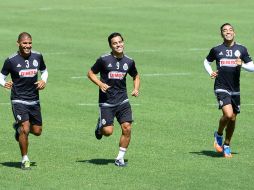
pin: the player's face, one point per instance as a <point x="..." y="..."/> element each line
<point x="117" y="45"/>
<point x="228" y="33"/>
<point x="25" y="46"/>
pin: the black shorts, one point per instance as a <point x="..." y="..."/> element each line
<point x="122" y="113"/>
<point x="31" y="113"/>
<point x="225" y="99"/>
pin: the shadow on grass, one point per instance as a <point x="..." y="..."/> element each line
<point x="99" y="161"/>
<point x="210" y="153"/>
<point x="16" y="164"/>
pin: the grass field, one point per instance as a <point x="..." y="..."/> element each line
<point x="175" y="115"/>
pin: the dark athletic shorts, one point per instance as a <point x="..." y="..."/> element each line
<point x="31" y="113"/>
<point x="225" y="99"/>
<point x="122" y="113"/>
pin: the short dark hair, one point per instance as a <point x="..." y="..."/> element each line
<point x="114" y="34"/>
<point x="24" y="34"/>
<point x="221" y="28"/>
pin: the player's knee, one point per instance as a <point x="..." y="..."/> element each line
<point x="24" y="128"/>
<point x="107" y="131"/>
<point x="37" y="130"/>
<point x="126" y="128"/>
<point x="230" y="116"/>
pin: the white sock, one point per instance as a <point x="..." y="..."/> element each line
<point x="121" y="153"/>
<point x="25" y="158"/>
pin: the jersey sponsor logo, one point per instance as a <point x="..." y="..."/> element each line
<point x="228" y="63"/>
<point x="27" y="73"/>
<point x="109" y="65"/>
<point x="221" y="53"/>
<point x="116" y="75"/>
<point x="125" y="66"/>
<point x="18" y="65"/>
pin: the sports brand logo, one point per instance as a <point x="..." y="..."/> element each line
<point x="27" y="73"/>
<point x="116" y="75"/>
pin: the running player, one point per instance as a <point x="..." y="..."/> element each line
<point x="23" y="66"/>
<point x="230" y="57"/>
<point x="113" y="99"/>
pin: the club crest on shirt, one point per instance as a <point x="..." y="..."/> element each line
<point x="103" y="121"/>
<point x="237" y="53"/>
<point x="35" y="63"/>
<point x="27" y="73"/>
<point x="19" y="117"/>
<point x="125" y="66"/>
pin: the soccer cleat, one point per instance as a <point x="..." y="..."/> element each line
<point x="120" y="163"/>
<point x="25" y="165"/>
<point x="97" y="132"/>
<point x="227" y="151"/>
<point x="15" y="127"/>
<point x="218" y="142"/>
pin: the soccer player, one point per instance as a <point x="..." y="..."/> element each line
<point x="113" y="99"/>
<point x="23" y="66"/>
<point x="230" y="57"/>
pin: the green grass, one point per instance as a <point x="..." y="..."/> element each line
<point x="175" y="115"/>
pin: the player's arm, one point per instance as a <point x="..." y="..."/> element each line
<point x="93" y="77"/>
<point x="4" y="83"/>
<point x="246" y="66"/>
<point x="136" y="82"/>
<point x="209" y="70"/>
<point x="41" y="84"/>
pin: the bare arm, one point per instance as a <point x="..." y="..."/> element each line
<point x="136" y="82"/>
<point x="103" y="86"/>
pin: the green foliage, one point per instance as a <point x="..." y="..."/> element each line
<point x="175" y="115"/>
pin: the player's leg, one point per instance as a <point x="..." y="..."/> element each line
<point x="22" y="128"/>
<point x="126" y="135"/>
<point x="228" y="116"/>
<point x="36" y="130"/>
<point x="230" y="129"/>
<point x="231" y="125"/>
<point x="23" y="143"/>
<point x="124" y="116"/>
<point x="35" y="119"/>
<point x="224" y="101"/>
<point x="105" y="125"/>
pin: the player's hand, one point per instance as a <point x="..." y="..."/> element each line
<point x="8" y="85"/>
<point x="40" y="84"/>
<point x="214" y="74"/>
<point x="104" y="87"/>
<point x="135" y="93"/>
<point x="238" y="61"/>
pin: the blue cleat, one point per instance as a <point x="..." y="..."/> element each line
<point x="120" y="163"/>
<point x="227" y="151"/>
<point x="218" y="142"/>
